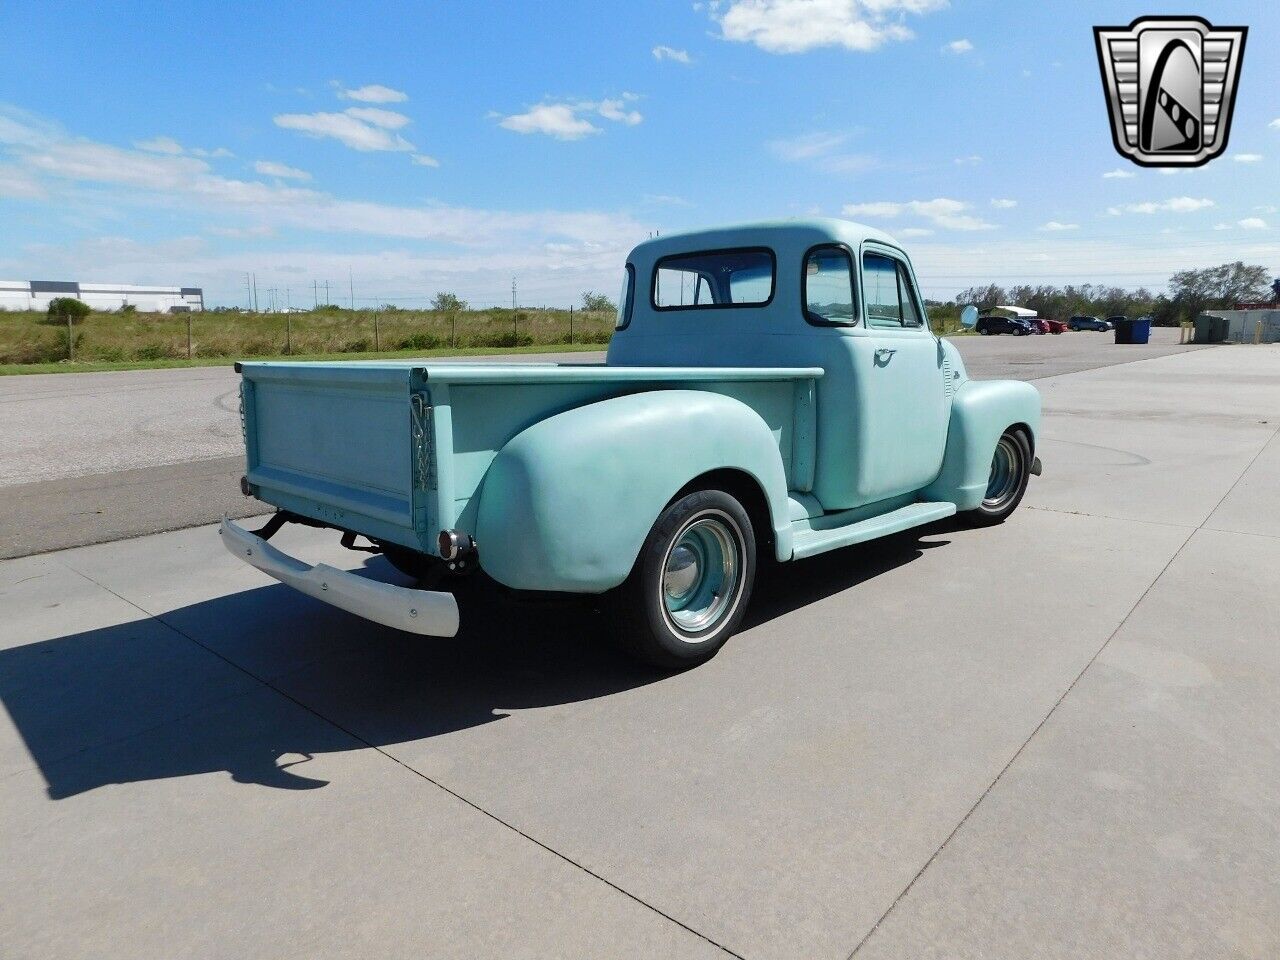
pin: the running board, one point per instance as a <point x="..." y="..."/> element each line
<point x="809" y="542"/>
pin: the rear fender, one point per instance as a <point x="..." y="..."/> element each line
<point x="567" y="503"/>
<point x="981" y="411"/>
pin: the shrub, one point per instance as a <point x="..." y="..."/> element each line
<point x="420" y="341"/>
<point x="129" y="308"/>
<point x="597" y="301"/>
<point x="360" y="345"/>
<point x="151" y="351"/>
<point x="60" y="308"/>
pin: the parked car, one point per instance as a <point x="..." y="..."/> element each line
<point x="1118" y="318"/>
<point x="992" y="326"/>
<point x="752" y="403"/>
<point x="1057" y="326"/>
<point x="1088" y="323"/>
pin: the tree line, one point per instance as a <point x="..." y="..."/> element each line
<point x="1191" y="292"/>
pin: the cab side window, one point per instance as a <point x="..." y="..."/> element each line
<point x="828" y="286"/>
<point x="890" y="297"/>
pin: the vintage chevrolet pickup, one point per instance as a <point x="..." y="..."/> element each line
<point x="771" y="390"/>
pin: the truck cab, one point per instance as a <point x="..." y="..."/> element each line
<point x="771" y="388"/>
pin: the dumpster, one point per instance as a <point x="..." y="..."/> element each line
<point x="1141" y="330"/>
<point x="1124" y="330"/>
<point x="1210" y="329"/>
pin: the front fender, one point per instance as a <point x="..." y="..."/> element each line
<point x="567" y="503"/>
<point x="981" y="411"/>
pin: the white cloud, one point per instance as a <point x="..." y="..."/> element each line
<point x="968" y="161"/>
<point x="564" y="121"/>
<point x="1001" y="203"/>
<point x="15" y="184"/>
<point x="558" y="120"/>
<point x="1267" y="208"/>
<point x="387" y="119"/>
<point x="425" y="160"/>
<point x="616" y="110"/>
<point x="795" y="26"/>
<point x="671" y="53"/>
<point x="822" y="150"/>
<point x="1118" y="174"/>
<point x="1274" y="124"/>
<point x="942" y="212"/>
<point x="1054" y="226"/>
<point x="160" y="145"/>
<point x="345" y="128"/>
<point x="373" y="93"/>
<point x="187" y="183"/>
<point x="1172" y="205"/>
<point x="1247" y="157"/>
<point x="958" y="46"/>
<point x="914" y="232"/>
<point x="171" y="147"/>
<point x="269" y="168"/>
<point x="666" y="199"/>
<point x="1252" y="223"/>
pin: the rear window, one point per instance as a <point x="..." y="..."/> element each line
<point x="717" y="278"/>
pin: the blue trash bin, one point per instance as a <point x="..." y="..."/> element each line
<point x="1140" y="332"/>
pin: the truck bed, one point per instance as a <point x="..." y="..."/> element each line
<point x="398" y="450"/>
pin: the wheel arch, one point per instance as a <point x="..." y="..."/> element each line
<point x="981" y="411"/>
<point x="567" y="504"/>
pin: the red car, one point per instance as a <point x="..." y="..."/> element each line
<point x="1049" y="326"/>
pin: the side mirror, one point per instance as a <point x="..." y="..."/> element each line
<point x="969" y="316"/>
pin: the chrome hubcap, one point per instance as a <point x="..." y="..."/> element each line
<point x="1006" y="474"/>
<point x="701" y="574"/>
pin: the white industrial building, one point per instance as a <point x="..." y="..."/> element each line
<point x="36" y="294"/>
<point x="1255" y="325"/>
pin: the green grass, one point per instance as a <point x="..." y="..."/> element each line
<point x="97" y="366"/>
<point x="31" y="342"/>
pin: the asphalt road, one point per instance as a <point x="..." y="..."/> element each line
<point x="1051" y="738"/>
<point x="99" y="456"/>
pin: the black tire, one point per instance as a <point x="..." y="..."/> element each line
<point x="705" y="524"/>
<point x="1010" y="471"/>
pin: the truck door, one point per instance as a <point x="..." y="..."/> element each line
<point x="900" y="366"/>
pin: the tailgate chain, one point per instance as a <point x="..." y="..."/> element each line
<point x="420" y="417"/>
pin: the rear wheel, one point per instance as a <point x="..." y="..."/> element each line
<point x="1007" y="482"/>
<point x="690" y="585"/>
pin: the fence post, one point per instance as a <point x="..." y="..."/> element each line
<point x="453" y="329"/>
<point x="71" y="340"/>
<point x="515" y="328"/>
<point x="571" y="323"/>
<point x="188" y="336"/>
<point x="377" y="341"/>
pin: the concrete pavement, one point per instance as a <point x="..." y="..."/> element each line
<point x="1053" y="738"/>
<point x="126" y="454"/>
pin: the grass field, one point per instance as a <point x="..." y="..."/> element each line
<point x="133" y="338"/>
<point x="31" y="343"/>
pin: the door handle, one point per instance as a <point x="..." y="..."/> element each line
<point x="884" y="355"/>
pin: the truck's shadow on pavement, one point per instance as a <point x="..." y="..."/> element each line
<point x="257" y="682"/>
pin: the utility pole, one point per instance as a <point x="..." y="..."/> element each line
<point x="315" y="294"/>
<point x="351" y="287"/>
<point x="255" y="294"/>
<point x="248" y="291"/>
<point x="513" y="293"/>
<point x="327" y="301"/>
<point x="287" y="303"/>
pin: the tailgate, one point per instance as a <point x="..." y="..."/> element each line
<point x="344" y="443"/>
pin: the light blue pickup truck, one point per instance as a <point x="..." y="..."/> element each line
<point x="772" y="391"/>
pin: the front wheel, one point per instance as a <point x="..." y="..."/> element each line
<point x="690" y="585"/>
<point x="1010" y="471"/>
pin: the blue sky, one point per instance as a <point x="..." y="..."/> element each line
<point x="451" y="146"/>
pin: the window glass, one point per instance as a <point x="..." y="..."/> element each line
<point x="828" y="285"/>
<point x="719" y="279"/>
<point x="910" y="313"/>
<point x="881" y="291"/>
<point x="624" y="298"/>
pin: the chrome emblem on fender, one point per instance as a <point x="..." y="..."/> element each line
<point x="1170" y="84"/>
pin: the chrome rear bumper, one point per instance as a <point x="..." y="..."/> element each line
<point x="424" y="612"/>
